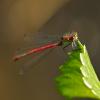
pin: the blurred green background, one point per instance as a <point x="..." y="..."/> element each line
<point x="18" y="17"/>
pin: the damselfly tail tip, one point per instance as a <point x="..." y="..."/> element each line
<point x="15" y="58"/>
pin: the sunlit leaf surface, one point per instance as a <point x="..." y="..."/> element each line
<point x="77" y="77"/>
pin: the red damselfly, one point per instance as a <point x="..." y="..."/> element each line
<point x="65" y="38"/>
<point x="63" y="41"/>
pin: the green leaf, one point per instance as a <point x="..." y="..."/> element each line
<point x="77" y="77"/>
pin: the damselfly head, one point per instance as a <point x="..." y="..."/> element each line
<point x="70" y="37"/>
<point x="75" y="35"/>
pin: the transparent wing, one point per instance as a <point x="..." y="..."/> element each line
<point x="34" y="40"/>
<point x="41" y="38"/>
<point x="36" y="59"/>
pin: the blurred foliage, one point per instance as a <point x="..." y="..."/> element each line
<point x="77" y="77"/>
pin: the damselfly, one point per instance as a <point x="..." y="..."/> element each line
<point x="64" y="41"/>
